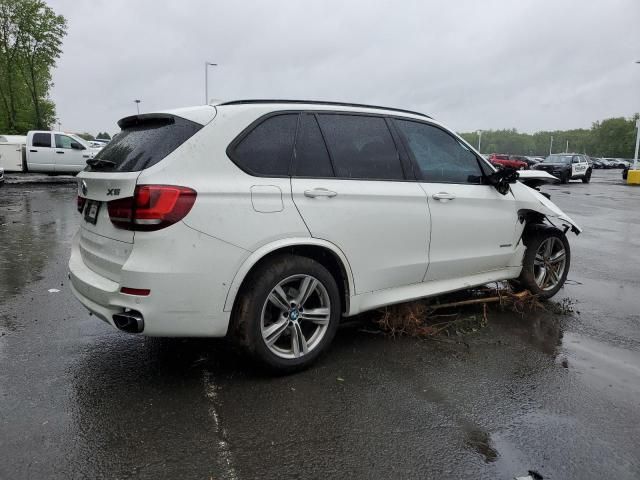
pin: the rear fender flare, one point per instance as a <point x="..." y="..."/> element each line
<point x="261" y="252"/>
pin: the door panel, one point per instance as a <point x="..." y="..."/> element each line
<point x="472" y="225"/>
<point x="473" y="229"/>
<point x="66" y="158"/>
<point x="39" y="152"/>
<point x="381" y="226"/>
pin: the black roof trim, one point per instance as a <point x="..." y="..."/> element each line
<point x="320" y="102"/>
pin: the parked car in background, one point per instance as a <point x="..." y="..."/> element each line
<point x="567" y="166"/>
<point x="1" y="175"/>
<point x="57" y="152"/>
<point x="531" y="161"/>
<point x="283" y="216"/>
<point x="522" y="158"/>
<point x="501" y="160"/>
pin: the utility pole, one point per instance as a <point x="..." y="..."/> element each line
<point x="137" y="106"/>
<point x="479" y="140"/>
<point x="567" y="150"/>
<point x="551" y="145"/>
<point x="206" y="80"/>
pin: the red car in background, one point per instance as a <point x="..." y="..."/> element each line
<point x="500" y="160"/>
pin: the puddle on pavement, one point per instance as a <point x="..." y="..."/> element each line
<point x="601" y="364"/>
<point x="481" y="443"/>
<point x="33" y="224"/>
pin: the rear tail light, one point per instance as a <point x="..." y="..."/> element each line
<point x="152" y="207"/>
<point x="81" y="202"/>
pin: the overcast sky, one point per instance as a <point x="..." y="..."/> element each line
<point x="531" y="64"/>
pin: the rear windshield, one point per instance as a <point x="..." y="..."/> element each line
<point x="143" y="143"/>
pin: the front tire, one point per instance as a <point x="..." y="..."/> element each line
<point x="546" y="261"/>
<point x="288" y="313"/>
<point x="587" y="177"/>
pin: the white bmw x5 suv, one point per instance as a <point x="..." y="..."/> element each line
<point x="271" y="220"/>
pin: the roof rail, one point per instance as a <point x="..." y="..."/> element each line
<point x="320" y="102"/>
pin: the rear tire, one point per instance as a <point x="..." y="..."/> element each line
<point x="546" y="261"/>
<point x="288" y="339"/>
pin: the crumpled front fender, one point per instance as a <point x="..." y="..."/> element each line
<point x="528" y="199"/>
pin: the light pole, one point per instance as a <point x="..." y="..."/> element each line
<point x="551" y="145"/>
<point x="479" y="140"/>
<point x="137" y="106"/>
<point x="635" y="155"/>
<point x="206" y="80"/>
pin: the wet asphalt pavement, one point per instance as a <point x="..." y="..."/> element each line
<point x="558" y="394"/>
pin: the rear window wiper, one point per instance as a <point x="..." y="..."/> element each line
<point x="100" y="162"/>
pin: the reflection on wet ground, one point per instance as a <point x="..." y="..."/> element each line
<point x="555" y="394"/>
<point x="33" y="223"/>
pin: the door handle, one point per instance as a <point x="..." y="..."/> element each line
<point x="444" y="196"/>
<point x="33" y="151"/>
<point x="319" y="192"/>
<point x="58" y="151"/>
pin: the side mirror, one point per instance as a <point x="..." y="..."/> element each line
<point x="502" y="178"/>
<point x="76" y="146"/>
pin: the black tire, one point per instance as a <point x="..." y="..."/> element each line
<point x="587" y="177"/>
<point x="533" y="238"/>
<point x="247" y="318"/>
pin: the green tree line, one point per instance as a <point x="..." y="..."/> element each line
<point x="31" y="36"/>
<point x="613" y="137"/>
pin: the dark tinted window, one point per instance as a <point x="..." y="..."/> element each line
<point x="42" y="140"/>
<point x="361" y="147"/>
<point x="439" y="155"/>
<point x="144" y="143"/>
<point x="312" y="158"/>
<point x="268" y="148"/>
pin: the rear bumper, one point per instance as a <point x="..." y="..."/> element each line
<point x="184" y="302"/>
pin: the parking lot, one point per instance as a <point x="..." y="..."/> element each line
<point x="558" y="394"/>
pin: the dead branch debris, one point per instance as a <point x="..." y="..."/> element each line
<point x="458" y="316"/>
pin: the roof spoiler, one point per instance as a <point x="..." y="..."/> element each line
<point x="134" y="120"/>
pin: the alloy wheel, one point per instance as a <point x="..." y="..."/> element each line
<point x="549" y="263"/>
<point x="295" y="316"/>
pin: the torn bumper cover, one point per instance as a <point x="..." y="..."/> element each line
<point x="530" y="200"/>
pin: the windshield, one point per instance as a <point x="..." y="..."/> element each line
<point x="558" y="159"/>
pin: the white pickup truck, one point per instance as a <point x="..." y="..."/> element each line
<point x="57" y="152"/>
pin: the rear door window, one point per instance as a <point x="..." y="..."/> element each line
<point x="267" y="150"/>
<point x="361" y="147"/>
<point x="440" y="157"/>
<point x="42" y="140"/>
<point x="312" y="158"/>
<point x="143" y="142"/>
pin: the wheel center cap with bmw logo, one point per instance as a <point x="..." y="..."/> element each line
<point x="294" y="314"/>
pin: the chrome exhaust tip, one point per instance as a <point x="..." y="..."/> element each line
<point x="129" y="321"/>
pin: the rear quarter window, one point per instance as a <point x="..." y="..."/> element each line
<point x="144" y="142"/>
<point x="267" y="149"/>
